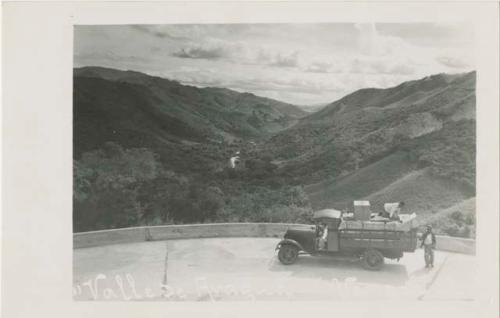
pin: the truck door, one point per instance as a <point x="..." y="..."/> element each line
<point x="333" y="240"/>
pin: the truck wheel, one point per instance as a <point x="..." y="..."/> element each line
<point x="373" y="260"/>
<point x="288" y="254"/>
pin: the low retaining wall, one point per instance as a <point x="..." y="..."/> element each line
<point x="170" y="232"/>
<point x="455" y="244"/>
<point x="106" y="237"/>
<point x="217" y="230"/>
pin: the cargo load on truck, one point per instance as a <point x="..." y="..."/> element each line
<point x="406" y="223"/>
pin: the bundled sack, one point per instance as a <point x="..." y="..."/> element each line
<point x="408" y="222"/>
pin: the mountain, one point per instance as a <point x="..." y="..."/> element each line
<point x="149" y="150"/>
<point x="135" y="109"/>
<point x="414" y="142"/>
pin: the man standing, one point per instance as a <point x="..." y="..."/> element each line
<point x="392" y="210"/>
<point x="428" y="243"/>
<point x="323" y="234"/>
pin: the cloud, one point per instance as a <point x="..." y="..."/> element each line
<point x="382" y="66"/>
<point x="156" y="31"/>
<point x="212" y="50"/>
<point x="266" y="56"/>
<point x="402" y="69"/>
<point x="433" y="35"/>
<point x="452" y="62"/>
<point x="238" y="53"/>
<point x="368" y="38"/>
<point x="285" y="85"/>
<point x="280" y="60"/>
<point x="306" y="62"/>
<point x="319" y="67"/>
<point x="251" y="83"/>
<point x="371" y="42"/>
<point x="323" y="67"/>
<point x="295" y="88"/>
<point x="108" y="56"/>
<point x="200" y="53"/>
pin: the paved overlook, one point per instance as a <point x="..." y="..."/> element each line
<point x="224" y="269"/>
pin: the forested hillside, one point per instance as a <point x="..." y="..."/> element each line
<point x="148" y="150"/>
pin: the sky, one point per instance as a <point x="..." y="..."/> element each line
<point x="302" y="64"/>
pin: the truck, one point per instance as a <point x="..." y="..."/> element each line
<point x="369" y="241"/>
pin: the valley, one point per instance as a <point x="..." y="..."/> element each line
<point x="148" y="150"/>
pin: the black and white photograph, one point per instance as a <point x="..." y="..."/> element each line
<point x="318" y="161"/>
<point x="234" y="159"/>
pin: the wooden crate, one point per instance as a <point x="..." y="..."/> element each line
<point x="362" y="210"/>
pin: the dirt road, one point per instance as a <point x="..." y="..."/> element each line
<point x="221" y="269"/>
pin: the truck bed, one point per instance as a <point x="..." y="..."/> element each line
<point x="407" y="223"/>
<point x="379" y="239"/>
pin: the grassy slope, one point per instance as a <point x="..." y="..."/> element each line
<point x="431" y="172"/>
<point x="422" y="193"/>
<point x="391" y="179"/>
<point x="467" y="207"/>
<point x="445" y="220"/>
<point x="360" y="183"/>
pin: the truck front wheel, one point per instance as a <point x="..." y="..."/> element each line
<point x="288" y="254"/>
<point x="373" y="260"/>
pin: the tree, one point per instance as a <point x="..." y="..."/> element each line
<point x="106" y="183"/>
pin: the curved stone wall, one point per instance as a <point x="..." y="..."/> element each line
<point x="169" y="232"/>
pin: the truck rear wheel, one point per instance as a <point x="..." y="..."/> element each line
<point x="288" y="254"/>
<point x="373" y="260"/>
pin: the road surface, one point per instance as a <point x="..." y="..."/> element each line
<point x="224" y="269"/>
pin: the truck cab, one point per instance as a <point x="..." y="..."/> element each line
<point x="307" y="238"/>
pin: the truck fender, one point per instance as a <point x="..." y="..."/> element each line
<point x="289" y="242"/>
